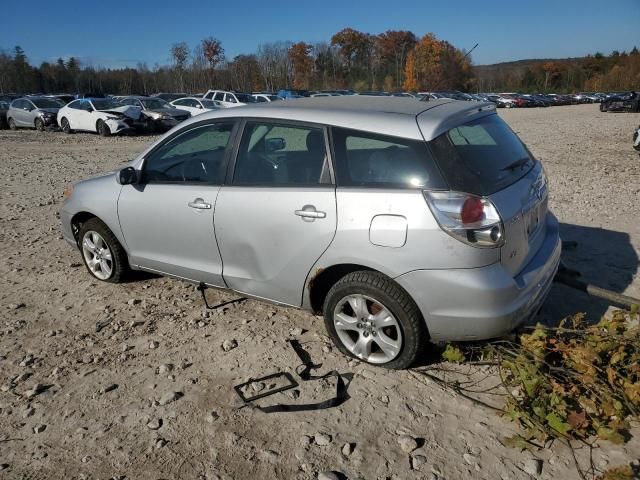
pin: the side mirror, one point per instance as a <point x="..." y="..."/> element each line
<point x="128" y="176"/>
<point x="274" y="144"/>
<point x="199" y="106"/>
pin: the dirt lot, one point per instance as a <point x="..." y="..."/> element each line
<point x="150" y="395"/>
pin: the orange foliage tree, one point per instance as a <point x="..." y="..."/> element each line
<point x="301" y="64"/>
<point x="410" y="83"/>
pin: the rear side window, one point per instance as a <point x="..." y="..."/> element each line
<point x="378" y="161"/>
<point x="481" y="157"/>
<point x="195" y="156"/>
<point x="281" y="155"/>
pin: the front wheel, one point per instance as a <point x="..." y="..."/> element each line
<point x="12" y="124"/>
<point x="370" y="317"/>
<point x="64" y="125"/>
<point x="102" y="253"/>
<point x="103" y="129"/>
<point x="39" y="124"/>
<point x="603" y="107"/>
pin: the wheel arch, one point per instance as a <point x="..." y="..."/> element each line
<point x="320" y="282"/>
<point x="78" y="219"/>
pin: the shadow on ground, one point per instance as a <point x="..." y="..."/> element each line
<point x="605" y="258"/>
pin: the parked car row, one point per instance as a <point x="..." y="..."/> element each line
<point x="109" y="115"/>
<point x="621" y="102"/>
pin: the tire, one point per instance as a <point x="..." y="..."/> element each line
<point x="603" y="107"/>
<point x="103" y="129"/>
<point x="12" y="124"/>
<point x="404" y="333"/>
<point x="96" y="241"/>
<point x="64" y="125"/>
<point x="39" y="124"/>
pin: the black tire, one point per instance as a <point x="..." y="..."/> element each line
<point x="120" y="263"/>
<point x="39" y="124"/>
<point x="603" y="107"/>
<point x="395" y="299"/>
<point x="64" y="125"/>
<point x="12" y="124"/>
<point x="103" y="129"/>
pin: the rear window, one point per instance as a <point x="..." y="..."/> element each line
<point x="379" y="161"/>
<point x="481" y="157"/>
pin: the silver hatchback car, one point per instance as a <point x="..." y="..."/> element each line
<point x="33" y="112"/>
<point x="400" y="221"/>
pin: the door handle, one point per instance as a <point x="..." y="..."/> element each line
<point x="200" y="204"/>
<point x="309" y="211"/>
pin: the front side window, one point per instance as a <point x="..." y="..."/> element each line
<point x="379" y="161"/>
<point x="230" y="98"/>
<point x="272" y="154"/>
<point x="195" y="156"/>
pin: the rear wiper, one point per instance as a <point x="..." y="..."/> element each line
<point x="516" y="164"/>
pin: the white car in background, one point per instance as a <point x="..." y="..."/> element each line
<point x="196" y="106"/>
<point x="100" y="115"/>
<point x="230" y="99"/>
<point x="266" y="97"/>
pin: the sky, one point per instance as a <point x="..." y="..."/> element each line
<point x="120" y="33"/>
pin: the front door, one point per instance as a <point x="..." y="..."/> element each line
<point x="277" y="215"/>
<point x="168" y="219"/>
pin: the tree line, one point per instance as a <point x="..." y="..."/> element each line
<point x="394" y="60"/>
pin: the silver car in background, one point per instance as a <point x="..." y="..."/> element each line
<point x="33" y="112"/>
<point x="400" y="221"/>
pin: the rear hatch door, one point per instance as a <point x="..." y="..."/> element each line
<point x="484" y="157"/>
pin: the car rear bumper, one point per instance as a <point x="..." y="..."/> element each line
<point x="486" y="302"/>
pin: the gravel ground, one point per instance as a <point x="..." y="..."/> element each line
<point x="150" y="395"/>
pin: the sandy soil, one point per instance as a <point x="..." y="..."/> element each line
<point x="150" y="395"/>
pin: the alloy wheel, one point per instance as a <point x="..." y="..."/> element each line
<point x="97" y="255"/>
<point x="367" y="329"/>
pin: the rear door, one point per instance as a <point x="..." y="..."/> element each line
<point x="277" y="213"/>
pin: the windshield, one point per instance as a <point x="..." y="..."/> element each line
<point x="482" y="157"/>
<point x="104" y="104"/>
<point x="245" y="98"/>
<point x="208" y="103"/>
<point x="47" y="103"/>
<point x="274" y="98"/>
<point x="155" y="104"/>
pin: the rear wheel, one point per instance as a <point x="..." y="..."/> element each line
<point x="103" y="128"/>
<point x="64" y="125"/>
<point x="370" y="317"/>
<point x="12" y="124"/>
<point x="39" y="124"/>
<point x="102" y="253"/>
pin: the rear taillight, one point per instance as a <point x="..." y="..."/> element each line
<point x="471" y="219"/>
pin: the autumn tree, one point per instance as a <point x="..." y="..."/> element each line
<point x="410" y="82"/>
<point x="180" y="55"/>
<point x="551" y="72"/>
<point x="212" y="51"/>
<point x="301" y="64"/>
<point x="394" y="46"/>
<point x="354" y="48"/>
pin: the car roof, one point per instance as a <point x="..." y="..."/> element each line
<point x="395" y="116"/>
